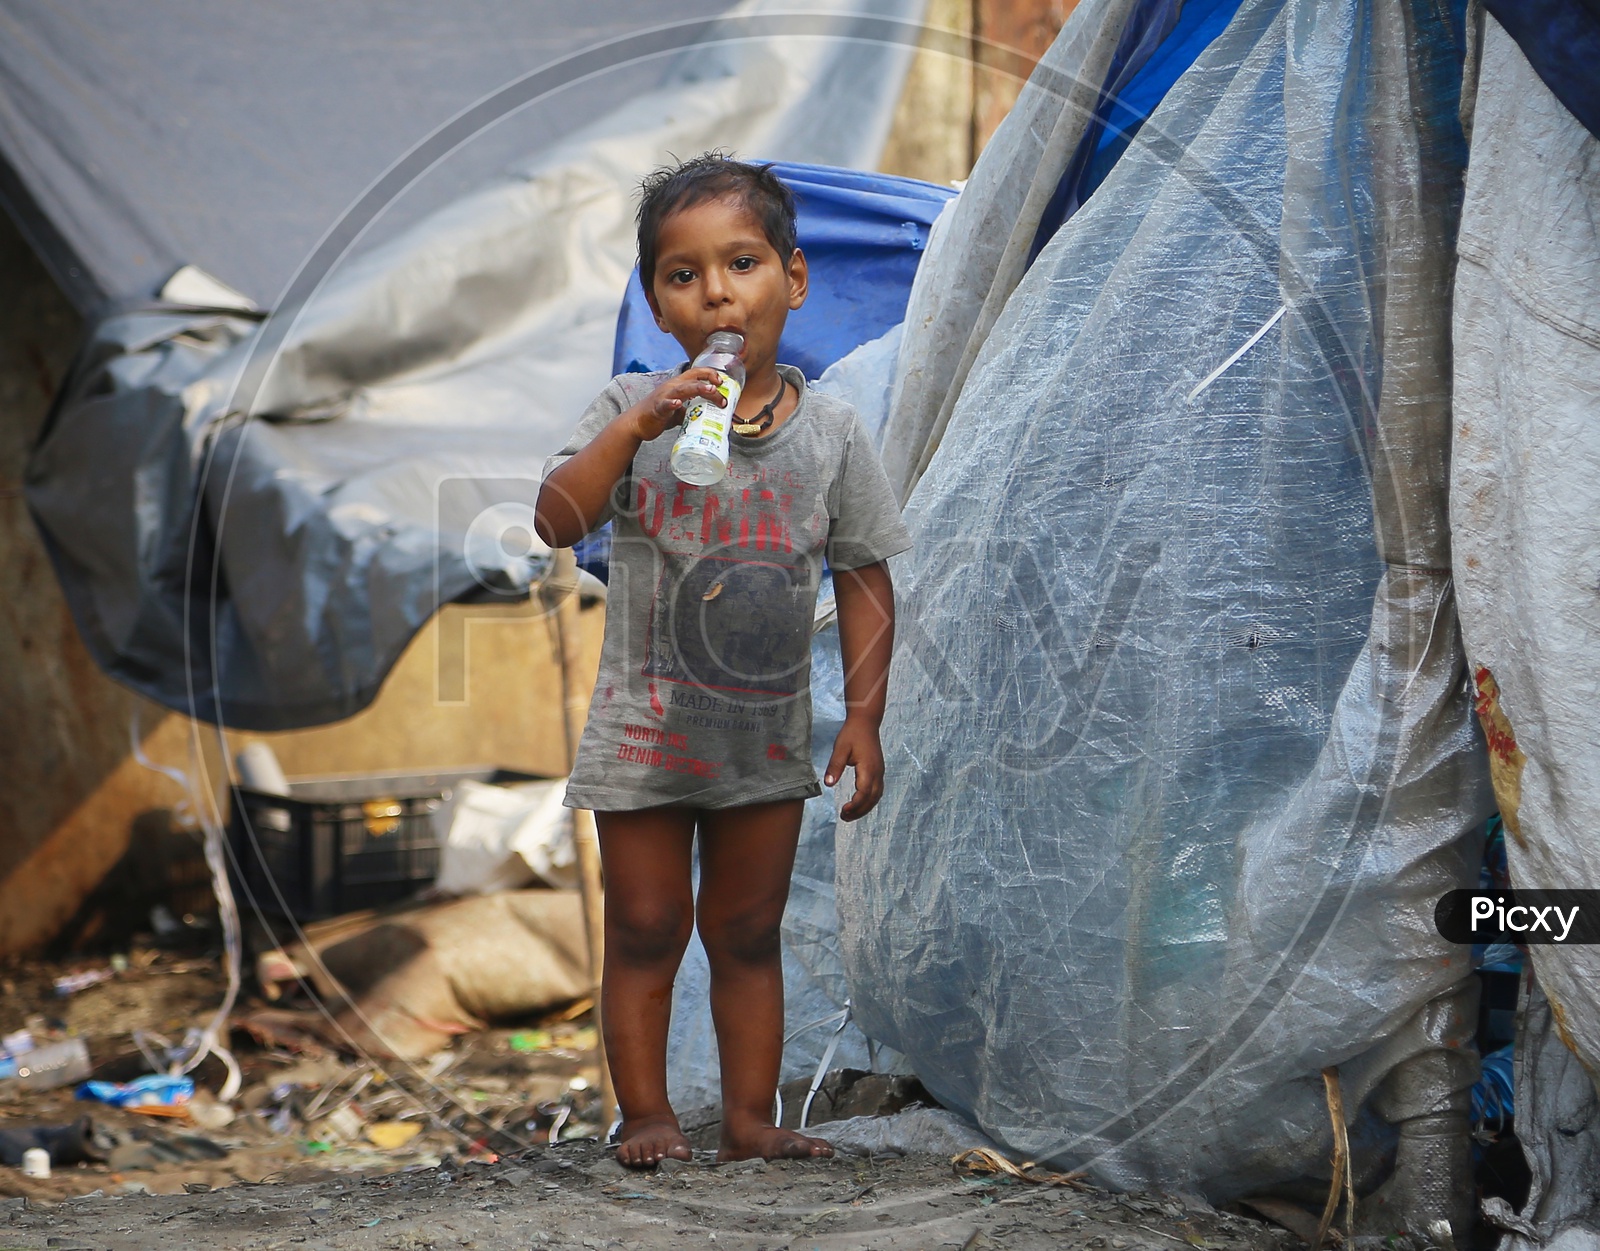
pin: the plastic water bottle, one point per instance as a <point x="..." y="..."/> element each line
<point x="700" y="456"/>
<point x="55" y="1064"/>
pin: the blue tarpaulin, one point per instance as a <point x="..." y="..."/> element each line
<point x="1161" y="40"/>
<point x="862" y="234"/>
<point x="1561" y="39"/>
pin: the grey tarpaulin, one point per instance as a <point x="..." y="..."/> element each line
<point x="1525" y="514"/>
<point x="267" y="573"/>
<point x="1558" y="1123"/>
<point x="1180" y="745"/>
<point x="138" y="138"/>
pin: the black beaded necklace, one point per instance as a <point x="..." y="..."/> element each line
<point x="762" y="421"/>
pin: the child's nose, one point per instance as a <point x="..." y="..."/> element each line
<point x="718" y="289"/>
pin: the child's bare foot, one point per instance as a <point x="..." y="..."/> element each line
<point x="770" y="1143"/>
<point x="647" y="1140"/>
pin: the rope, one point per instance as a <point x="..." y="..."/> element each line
<point x="207" y="1042"/>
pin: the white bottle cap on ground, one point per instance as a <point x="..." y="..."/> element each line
<point x="36" y="1162"/>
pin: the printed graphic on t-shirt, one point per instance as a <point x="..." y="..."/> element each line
<point x="731" y="610"/>
<point x="731" y="624"/>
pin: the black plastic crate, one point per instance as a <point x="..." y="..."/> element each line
<point x="341" y="844"/>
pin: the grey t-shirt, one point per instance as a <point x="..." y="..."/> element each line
<point x="703" y="697"/>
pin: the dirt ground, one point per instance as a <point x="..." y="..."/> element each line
<point x="575" y="1196"/>
<point x="290" y="1169"/>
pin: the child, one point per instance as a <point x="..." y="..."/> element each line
<point x="701" y="717"/>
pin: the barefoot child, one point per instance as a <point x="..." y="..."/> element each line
<point x="701" y="717"/>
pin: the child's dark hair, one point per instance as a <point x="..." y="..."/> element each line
<point x="714" y="176"/>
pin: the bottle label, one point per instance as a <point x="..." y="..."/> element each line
<point x="705" y="425"/>
<point x="708" y="414"/>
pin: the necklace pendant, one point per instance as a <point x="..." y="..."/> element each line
<point x="764" y="418"/>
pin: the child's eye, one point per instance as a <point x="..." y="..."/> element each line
<point x="744" y="263"/>
<point x="681" y="276"/>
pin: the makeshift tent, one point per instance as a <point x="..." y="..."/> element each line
<point x="1525" y="522"/>
<point x="1181" y="750"/>
<point x="139" y="141"/>
<point x="251" y="518"/>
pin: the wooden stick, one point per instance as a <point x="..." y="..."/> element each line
<point x="586" y="843"/>
<point x="586" y="839"/>
<point x="1341" y="1164"/>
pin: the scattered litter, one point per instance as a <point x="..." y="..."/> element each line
<point x="36" y="1162"/>
<point x="53" y="1065"/>
<point x="568" y="1039"/>
<point x="390" y="1135"/>
<point x="147" y="1149"/>
<point x="342" y="1124"/>
<point x="72" y="983"/>
<point x="1500" y="1214"/>
<point x="982" y="1161"/>
<point x="498" y="838"/>
<point x="77" y="1143"/>
<point x="155" y="1091"/>
<point x="431" y="972"/>
<point x="209" y="1113"/>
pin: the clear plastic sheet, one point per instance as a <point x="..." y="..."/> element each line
<point x="1180" y="746"/>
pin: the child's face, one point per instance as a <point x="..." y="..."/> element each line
<point x="716" y="270"/>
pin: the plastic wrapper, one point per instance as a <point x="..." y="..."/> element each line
<point x="1180" y="746"/>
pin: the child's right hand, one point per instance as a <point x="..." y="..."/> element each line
<point x="662" y="409"/>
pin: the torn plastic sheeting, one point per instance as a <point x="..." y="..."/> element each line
<point x="268" y="574"/>
<point x="1177" y="723"/>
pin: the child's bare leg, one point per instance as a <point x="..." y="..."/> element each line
<point x="649" y="916"/>
<point x="746" y="857"/>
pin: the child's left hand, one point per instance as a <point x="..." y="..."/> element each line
<point x="858" y="746"/>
